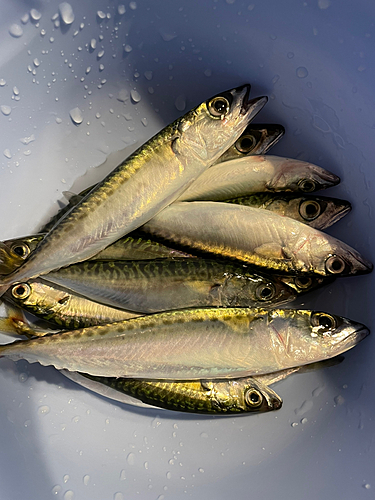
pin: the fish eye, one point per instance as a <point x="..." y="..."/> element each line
<point x="253" y="398"/>
<point x="309" y="209"/>
<point x="21" y="291"/>
<point x="245" y="144"/>
<point x="303" y="282"/>
<point x="265" y="291"/>
<point x="335" y="264"/>
<point x="218" y="107"/>
<point x="307" y="185"/>
<point x="323" y="320"/>
<point x="20" y="249"/>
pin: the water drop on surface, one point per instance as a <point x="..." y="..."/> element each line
<point x="201" y="470"/>
<point x="56" y="489"/>
<point x="86" y="479"/>
<point x="130" y="458"/>
<point x="339" y="400"/>
<point x="208" y="72"/>
<point x="36" y="62"/>
<point x="304" y="420"/>
<point x="167" y="37"/>
<point x="58" y="120"/>
<point x="25" y="18"/>
<point x="6" y="110"/>
<point x="302" y="72"/>
<point x="66" y="478"/>
<point x="76" y="115"/>
<point x="88" y="69"/>
<point x="305" y="406"/>
<point x="180" y="102"/>
<point x="122" y="475"/>
<point x="290" y="55"/>
<point x="367" y="486"/>
<point x="15" y="30"/>
<point x="101" y="14"/>
<point x="68" y="495"/>
<point x="66" y="13"/>
<point x="93" y="43"/>
<point x="100" y="54"/>
<point x="294" y="424"/>
<point x="7" y="153"/>
<point x="43" y="410"/>
<point x="324" y="4"/>
<point x="2" y="82"/>
<point x="128" y="48"/>
<point x="133" y="5"/>
<point x="121" y="9"/>
<point x="135" y="95"/>
<point x="101" y="67"/>
<point x="35" y="14"/>
<point x="22" y="377"/>
<point x="118" y="496"/>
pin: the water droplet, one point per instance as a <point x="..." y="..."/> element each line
<point x="35" y="14"/>
<point x="6" y="110"/>
<point x="43" y="410"/>
<point x="304" y="420"/>
<point x="301" y="72"/>
<point x="144" y="122"/>
<point x="68" y="495"/>
<point x="130" y="458"/>
<point x="167" y="37"/>
<point x="15" y="30"/>
<point x="2" y="82"/>
<point x="66" y="13"/>
<point x="100" y="54"/>
<point x="168" y="475"/>
<point x="151" y="90"/>
<point x="43" y="32"/>
<point x="76" y="115"/>
<point x="305" y="406"/>
<point x="66" y="478"/>
<point x="324" y="4"/>
<point x="203" y="435"/>
<point x="180" y="102"/>
<point x="128" y="48"/>
<point x="56" y="489"/>
<point x="361" y="68"/>
<point x="27" y="423"/>
<point x="171" y="461"/>
<point x="101" y="14"/>
<point x="160" y="497"/>
<point x="22" y="377"/>
<point x="315" y="393"/>
<point x="367" y="486"/>
<point x="25" y="18"/>
<point x="101" y="67"/>
<point x="208" y="72"/>
<point x="51" y="39"/>
<point x="86" y="479"/>
<point x="135" y="95"/>
<point x="294" y="424"/>
<point x="148" y="75"/>
<point x="7" y="153"/>
<point x="133" y="5"/>
<point x="58" y="120"/>
<point x="36" y="62"/>
<point x="145" y="465"/>
<point x="75" y="419"/>
<point x="275" y="79"/>
<point x="201" y="470"/>
<point x="339" y="400"/>
<point x="290" y="55"/>
<point x="121" y="9"/>
<point x="123" y="475"/>
<point x="118" y="496"/>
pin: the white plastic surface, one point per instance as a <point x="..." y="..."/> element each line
<point x="315" y="60"/>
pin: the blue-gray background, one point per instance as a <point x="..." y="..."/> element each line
<point x="315" y="61"/>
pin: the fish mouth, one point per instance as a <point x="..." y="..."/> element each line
<point x="329" y="179"/>
<point x="356" y="337"/>
<point x="252" y="107"/>
<point x="276" y="132"/>
<point x="342" y="209"/>
<point x="361" y="265"/>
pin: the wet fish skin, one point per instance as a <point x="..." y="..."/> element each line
<point x="161" y="285"/>
<point x="148" y="181"/>
<point x="255" y="174"/>
<point x="218" y="397"/>
<point x="255" y="236"/>
<point x="132" y="247"/>
<point x="318" y="212"/>
<point x="196" y="344"/>
<point x="62" y="308"/>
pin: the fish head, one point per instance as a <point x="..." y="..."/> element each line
<point x="8" y="261"/>
<point x="37" y="297"/>
<point x="301" y="176"/>
<point x="255" y="140"/>
<point x="313" y="336"/>
<point x="321" y="212"/>
<point x="339" y="259"/>
<point x="211" y="128"/>
<point x="244" y="395"/>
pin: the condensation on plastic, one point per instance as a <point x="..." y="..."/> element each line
<point x="71" y="93"/>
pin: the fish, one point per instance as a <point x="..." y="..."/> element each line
<point x="62" y="308"/>
<point x="318" y="212"/>
<point x="256" y="174"/>
<point x="132" y="247"/>
<point x="162" y="285"/>
<point x="258" y="237"/>
<point x="212" y="397"/>
<point x="145" y="183"/>
<point x="195" y="344"/>
<point x="257" y="139"/>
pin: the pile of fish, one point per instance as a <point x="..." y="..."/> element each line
<point x="165" y="284"/>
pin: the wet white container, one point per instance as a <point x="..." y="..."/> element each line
<point x="82" y="80"/>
